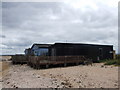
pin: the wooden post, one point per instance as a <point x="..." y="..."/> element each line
<point x="47" y="66"/>
<point x="77" y="63"/>
<point x="114" y="55"/>
<point x="65" y="64"/>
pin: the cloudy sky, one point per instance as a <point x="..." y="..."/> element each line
<point x="79" y="21"/>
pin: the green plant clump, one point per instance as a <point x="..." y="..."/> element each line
<point x="115" y="62"/>
<point x="112" y="62"/>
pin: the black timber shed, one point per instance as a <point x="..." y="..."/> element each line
<point x="92" y="51"/>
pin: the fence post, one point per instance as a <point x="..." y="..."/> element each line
<point x="47" y="66"/>
<point x="65" y="64"/>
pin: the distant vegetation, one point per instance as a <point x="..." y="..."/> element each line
<point x="115" y="62"/>
<point x="118" y="56"/>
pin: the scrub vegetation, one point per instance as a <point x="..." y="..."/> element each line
<point x="115" y="62"/>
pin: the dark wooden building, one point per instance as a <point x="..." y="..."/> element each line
<point x="91" y="51"/>
<point x="94" y="52"/>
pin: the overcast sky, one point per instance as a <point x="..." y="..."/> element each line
<point x="79" y="21"/>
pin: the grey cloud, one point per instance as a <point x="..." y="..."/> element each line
<point x="28" y="23"/>
<point x="15" y="14"/>
<point x="22" y="42"/>
<point x="2" y="36"/>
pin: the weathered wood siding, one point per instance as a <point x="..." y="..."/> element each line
<point x="19" y="59"/>
<point x="38" y="61"/>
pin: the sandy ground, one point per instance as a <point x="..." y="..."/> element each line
<point x="5" y="57"/>
<point x="4" y="67"/>
<point x="96" y="76"/>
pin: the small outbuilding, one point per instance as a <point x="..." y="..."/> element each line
<point x="38" y="50"/>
